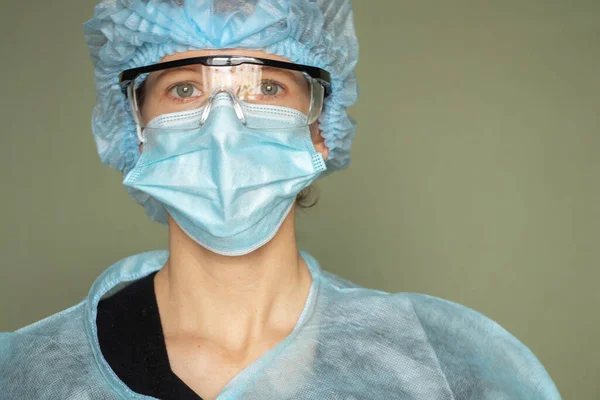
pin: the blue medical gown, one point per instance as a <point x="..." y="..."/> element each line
<point x="349" y="343"/>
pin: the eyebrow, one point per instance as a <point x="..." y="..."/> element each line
<point x="277" y="71"/>
<point x="161" y="74"/>
<point x="196" y="69"/>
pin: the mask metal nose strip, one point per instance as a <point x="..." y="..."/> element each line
<point x="236" y="106"/>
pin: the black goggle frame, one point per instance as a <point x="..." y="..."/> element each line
<point x="127" y="77"/>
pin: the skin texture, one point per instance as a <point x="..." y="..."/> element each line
<point x="218" y="313"/>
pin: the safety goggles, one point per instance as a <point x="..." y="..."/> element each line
<point x="192" y="84"/>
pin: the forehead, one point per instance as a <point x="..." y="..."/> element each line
<point x="220" y="52"/>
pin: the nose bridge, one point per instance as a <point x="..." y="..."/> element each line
<point x="223" y="94"/>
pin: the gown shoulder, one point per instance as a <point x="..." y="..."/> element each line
<point x="50" y="359"/>
<point x="428" y="347"/>
<point x="478" y="357"/>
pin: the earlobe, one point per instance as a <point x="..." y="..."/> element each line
<point x="319" y="141"/>
<point x="321" y="148"/>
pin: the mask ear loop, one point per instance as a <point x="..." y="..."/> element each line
<point x="136" y="112"/>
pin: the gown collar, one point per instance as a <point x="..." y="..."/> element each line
<point x="130" y="269"/>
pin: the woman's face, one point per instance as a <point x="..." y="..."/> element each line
<point x="156" y="101"/>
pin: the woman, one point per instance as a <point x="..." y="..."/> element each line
<point x="220" y="114"/>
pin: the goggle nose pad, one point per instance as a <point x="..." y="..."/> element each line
<point x="223" y="94"/>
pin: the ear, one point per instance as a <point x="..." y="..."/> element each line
<point x="318" y="140"/>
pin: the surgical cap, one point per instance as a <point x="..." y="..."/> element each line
<point x="125" y="34"/>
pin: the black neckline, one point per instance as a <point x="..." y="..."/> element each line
<point x="132" y="342"/>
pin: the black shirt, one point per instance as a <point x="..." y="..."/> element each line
<point x="133" y="344"/>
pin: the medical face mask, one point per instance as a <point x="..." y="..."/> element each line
<point x="228" y="187"/>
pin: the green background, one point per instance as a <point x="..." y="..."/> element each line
<point x="474" y="177"/>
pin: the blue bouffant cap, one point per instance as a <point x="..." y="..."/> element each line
<point x="126" y="34"/>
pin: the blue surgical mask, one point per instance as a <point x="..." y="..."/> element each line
<point x="227" y="186"/>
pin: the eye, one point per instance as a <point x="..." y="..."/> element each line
<point x="184" y="91"/>
<point x="270" y="88"/>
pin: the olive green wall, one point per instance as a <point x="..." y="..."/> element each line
<point x="475" y="175"/>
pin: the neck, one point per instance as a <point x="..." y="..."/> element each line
<point x="232" y="301"/>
